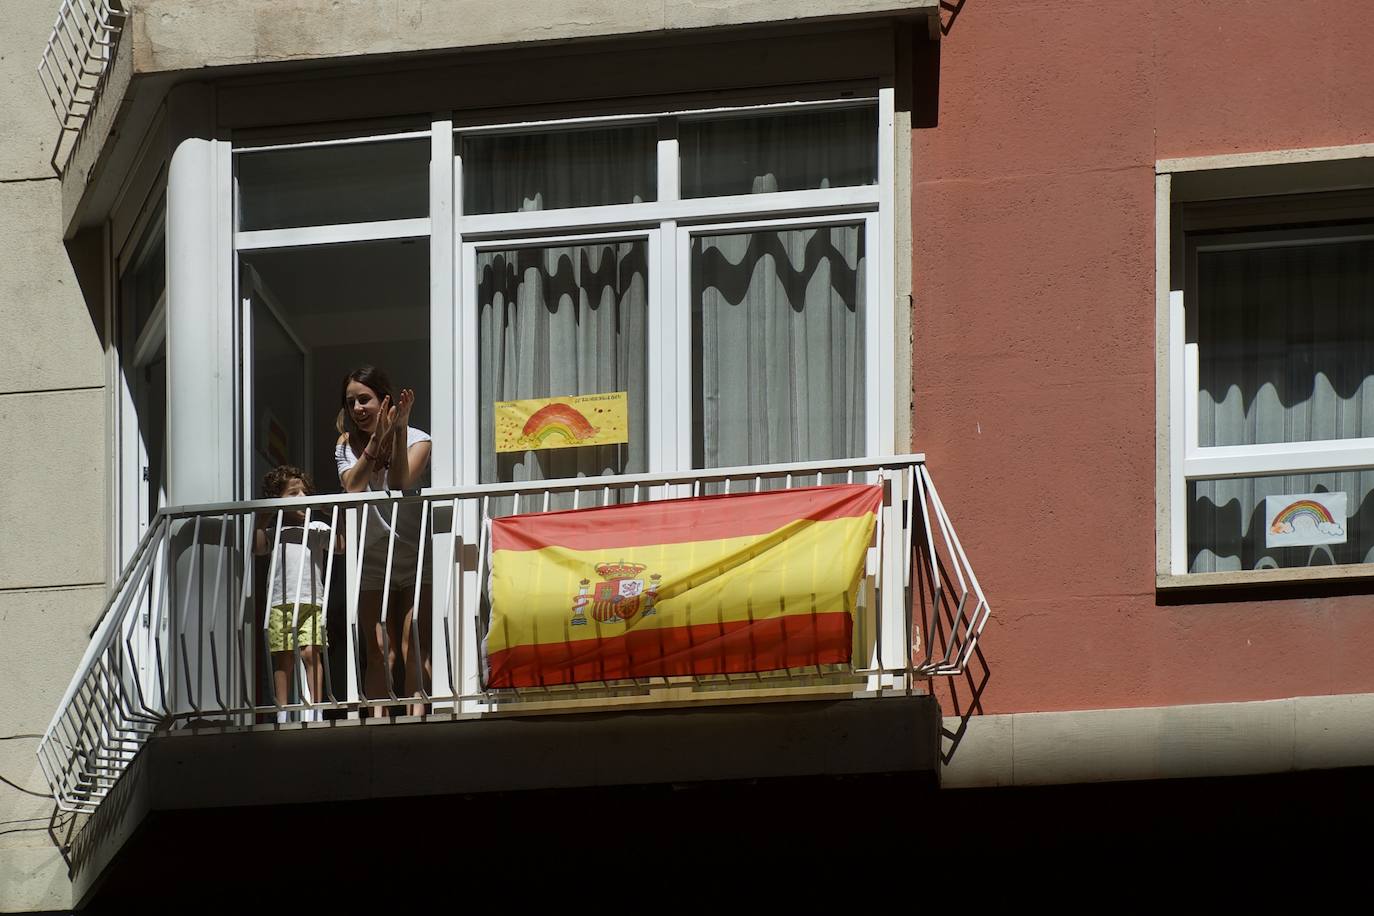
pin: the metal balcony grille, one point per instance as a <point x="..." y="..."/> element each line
<point x="76" y="60"/>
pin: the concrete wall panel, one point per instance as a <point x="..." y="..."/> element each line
<point x="174" y="35"/>
<point x="1027" y="89"/>
<point x="1266" y="74"/>
<point x="53" y="500"/>
<point x="34" y="880"/>
<point x="57" y="621"/>
<point x="31" y="126"/>
<point x="50" y="339"/>
<point x="43" y="633"/>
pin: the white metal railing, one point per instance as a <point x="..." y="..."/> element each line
<point x="77" y="58"/>
<point x="184" y="638"/>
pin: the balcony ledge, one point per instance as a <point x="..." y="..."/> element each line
<point x="350" y="761"/>
<point x="170" y="35"/>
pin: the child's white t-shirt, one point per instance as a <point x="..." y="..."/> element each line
<point x="289" y="582"/>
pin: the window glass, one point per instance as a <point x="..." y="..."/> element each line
<point x="148" y="282"/>
<point x="504" y="173"/>
<point x="318" y="313"/>
<point x="327" y="185"/>
<point x="143" y="363"/>
<point x="559" y="322"/>
<point x="1286" y="343"/>
<point x="1280" y="522"/>
<point x="779" y="152"/>
<point x="778" y="346"/>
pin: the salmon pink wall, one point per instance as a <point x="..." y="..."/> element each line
<point x="1034" y="327"/>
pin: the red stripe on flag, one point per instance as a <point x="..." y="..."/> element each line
<point x="677" y="521"/>
<point x="790" y="641"/>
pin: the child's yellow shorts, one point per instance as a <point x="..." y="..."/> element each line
<point x="281" y="637"/>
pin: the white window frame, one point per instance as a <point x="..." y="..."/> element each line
<point x="1251" y="178"/>
<point x="669" y="222"/>
<point x="138" y="347"/>
<point x="666" y="222"/>
<point x="469" y="409"/>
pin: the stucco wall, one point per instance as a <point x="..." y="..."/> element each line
<point x="1035" y="331"/>
<point x="52" y="466"/>
<point x="175" y="35"/>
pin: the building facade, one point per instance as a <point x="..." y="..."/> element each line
<point x="1097" y="271"/>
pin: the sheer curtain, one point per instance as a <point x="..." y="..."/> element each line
<point x="1286" y="354"/>
<point x="778" y="346"/>
<point x="567" y="320"/>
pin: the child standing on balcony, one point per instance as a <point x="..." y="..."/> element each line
<point x="295" y="589"/>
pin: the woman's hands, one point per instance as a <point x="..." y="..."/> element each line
<point x="406" y="467"/>
<point x="392" y="417"/>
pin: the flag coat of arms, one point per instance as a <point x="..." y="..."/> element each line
<point x="709" y="585"/>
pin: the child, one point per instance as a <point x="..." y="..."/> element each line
<point x="294" y="595"/>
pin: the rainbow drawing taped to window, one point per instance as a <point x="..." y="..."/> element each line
<point x="569" y="421"/>
<point x="1305" y="520"/>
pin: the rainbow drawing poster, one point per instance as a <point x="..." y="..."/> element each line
<point x="569" y="421"/>
<point x="1305" y="520"/>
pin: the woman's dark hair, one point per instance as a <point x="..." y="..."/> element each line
<point x="372" y="377"/>
<point x="275" y="481"/>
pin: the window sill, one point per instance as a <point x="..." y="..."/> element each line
<point x="1260" y="577"/>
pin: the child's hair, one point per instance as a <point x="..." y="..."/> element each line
<point x="275" y="481"/>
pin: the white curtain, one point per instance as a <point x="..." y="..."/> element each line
<point x="563" y="321"/>
<point x="1286" y="354"/>
<point x="778" y="346"/>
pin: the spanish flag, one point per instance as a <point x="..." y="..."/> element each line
<point x="710" y="585"/>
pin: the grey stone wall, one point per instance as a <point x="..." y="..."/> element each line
<point x="53" y="515"/>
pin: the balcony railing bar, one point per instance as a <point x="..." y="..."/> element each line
<point x="557" y="486"/>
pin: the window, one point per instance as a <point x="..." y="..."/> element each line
<point x="714" y="266"/>
<point x="709" y="272"/>
<point x="1271" y="356"/>
<point x="142" y="408"/>
<point x="333" y="274"/>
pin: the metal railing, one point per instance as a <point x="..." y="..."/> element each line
<point x="76" y="59"/>
<point x="188" y="638"/>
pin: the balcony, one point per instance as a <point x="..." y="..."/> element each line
<point x="173" y="709"/>
<point x="182" y="644"/>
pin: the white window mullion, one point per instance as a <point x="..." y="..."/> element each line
<point x="743" y="206"/>
<point x="467" y="406"/>
<point x="669" y="173"/>
<point x="882" y="300"/>
<point x="878" y="339"/>
<point x="661" y="357"/>
<point x="669" y="327"/>
<point x="462" y="330"/>
<point x="329" y="235"/>
<point x="680" y="398"/>
<point x="442" y="257"/>
<point x="443" y="391"/>
<point x="1179" y="396"/>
